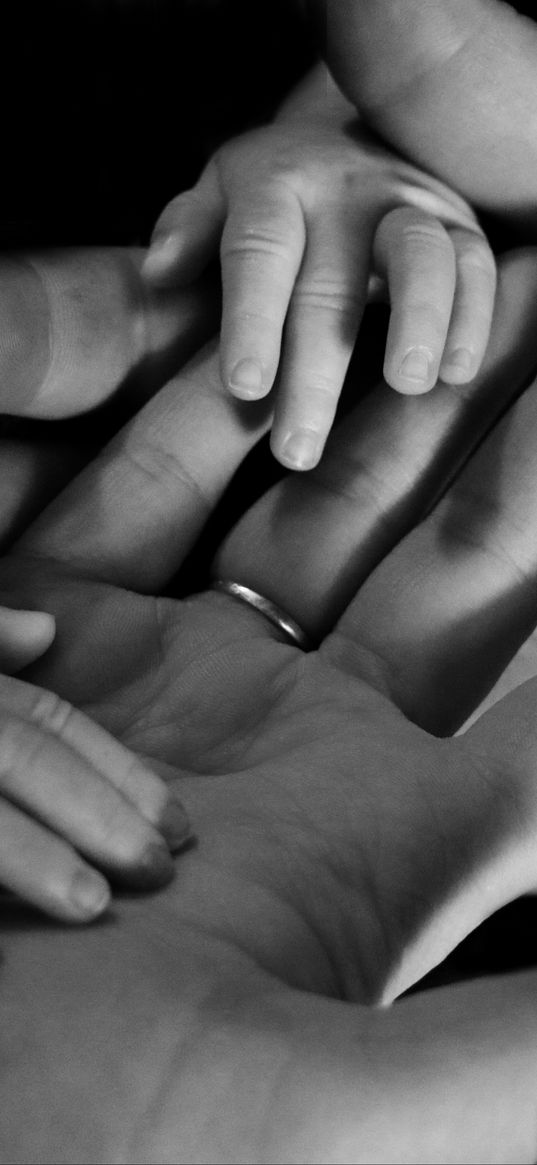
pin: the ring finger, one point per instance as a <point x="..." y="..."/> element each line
<point x="311" y="541"/>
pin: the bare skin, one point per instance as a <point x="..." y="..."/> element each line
<point x="451" y="85"/>
<point x="343" y="845"/>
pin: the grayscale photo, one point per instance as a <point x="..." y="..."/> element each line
<point x="268" y="582"/>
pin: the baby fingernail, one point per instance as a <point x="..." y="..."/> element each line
<point x="175" y="825"/>
<point x="90" y="893"/>
<point x="246" y="380"/>
<point x="301" y="449"/>
<point x="417" y="366"/>
<point x="460" y="361"/>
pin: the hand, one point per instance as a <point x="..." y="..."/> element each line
<point x="69" y="792"/>
<point x="304" y="211"/>
<point x="453" y="86"/>
<point x="77" y="322"/>
<point x="342" y="848"/>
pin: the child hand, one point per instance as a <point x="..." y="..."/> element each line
<point x="72" y="799"/>
<point x="24" y="637"/>
<point x="304" y="214"/>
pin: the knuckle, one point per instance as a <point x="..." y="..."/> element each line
<point x="427" y="235"/>
<point x="256" y="240"/>
<point x="49" y="711"/>
<point x="327" y="295"/>
<point x="322" y="387"/>
<point x="155" y="465"/>
<point x="409" y="220"/>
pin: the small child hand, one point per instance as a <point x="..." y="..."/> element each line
<point x="24" y="637"/>
<point x="72" y="799"/>
<point x="304" y="215"/>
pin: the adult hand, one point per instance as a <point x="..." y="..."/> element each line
<point x="77" y="322"/>
<point x="342" y="848"/>
<point x="70" y="799"/>
<point x="453" y="86"/>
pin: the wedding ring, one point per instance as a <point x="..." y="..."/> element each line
<point x="266" y="607"/>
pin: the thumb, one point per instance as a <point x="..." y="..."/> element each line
<point x="187" y="234"/>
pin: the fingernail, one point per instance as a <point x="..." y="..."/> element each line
<point x="155" y="868"/>
<point x="161" y="256"/>
<point x="246" y="380"/>
<point x="460" y="361"/>
<point x="417" y="365"/>
<point x="301" y="449"/>
<point x="90" y="893"/>
<point x="175" y="826"/>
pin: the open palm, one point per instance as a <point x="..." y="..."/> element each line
<point x="342" y="848"/>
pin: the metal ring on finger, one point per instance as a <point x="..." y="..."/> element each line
<point x="275" y="614"/>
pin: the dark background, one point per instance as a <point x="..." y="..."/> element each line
<point x="110" y="107"/>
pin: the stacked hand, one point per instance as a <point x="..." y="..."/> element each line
<point x="74" y="805"/>
<point x="453" y="86"/>
<point x="343" y="845"/>
<point x="304" y="212"/>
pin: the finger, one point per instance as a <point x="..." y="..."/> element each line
<point x="415" y="254"/>
<point x="24" y="637"/>
<point x="116" y="764"/>
<point x="136" y="510"/>
<point x="457" y="598"/>
<point x="473" y="307"/>
<point x="310" y="542"/>
<point x="322" y="325"/>
<point x="261" y="251"/>
<point x="46" y="871"/>
<point x="187" y="234"/>
<point x="46" y="777"/>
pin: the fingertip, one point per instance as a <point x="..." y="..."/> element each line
<point x="175" y="825"/>
<point x="89" y="894"/>
<point x="24" y="637"/>
<point x="458" y="367"/>
<point x="163" y="254"/>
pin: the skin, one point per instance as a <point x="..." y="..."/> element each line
<point x="404" y="63"/>
<point x="77" y="815"/>
<point x="343" y="845"/>
<point x="303" y="212"/>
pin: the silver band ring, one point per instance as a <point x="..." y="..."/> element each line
<point x="267" y="608"/>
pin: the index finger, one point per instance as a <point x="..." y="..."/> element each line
<point x="133" y="514"/>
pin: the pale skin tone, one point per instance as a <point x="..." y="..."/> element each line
<point x="78" y="812"/>
<point x="75" y="322"/>
<point x="452" y="85"/>
<point x="343" y="845"/>
<point x="123" y="325"/>
<point x="306" y="213"/>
